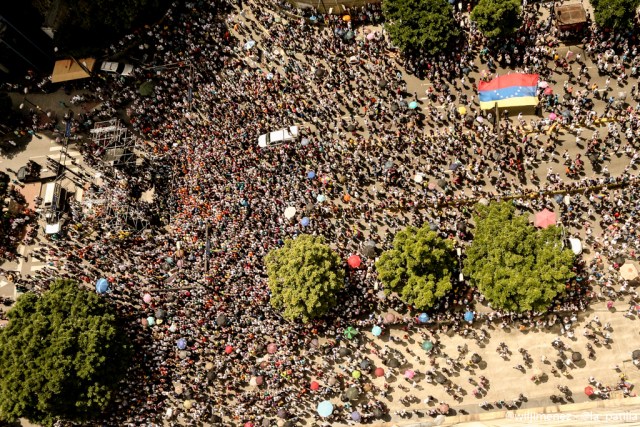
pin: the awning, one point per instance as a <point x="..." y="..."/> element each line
<point x="53" y="228"/>
<point x="570" y="15"/>
<point x="68" y="69"/>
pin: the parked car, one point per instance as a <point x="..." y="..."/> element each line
<point x="117" y="68"/>
<point x="278" y="136"/>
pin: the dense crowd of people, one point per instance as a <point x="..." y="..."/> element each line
<point x="365" y="166"/>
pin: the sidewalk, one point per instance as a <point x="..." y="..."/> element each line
<point x="612" y="412"/>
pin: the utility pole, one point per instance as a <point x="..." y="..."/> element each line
<point x="498" y="118"/>
<point x="206" y="248"/>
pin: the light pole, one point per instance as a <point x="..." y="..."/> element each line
<point x="21" y="106"/>
<point x="459" y="253"/>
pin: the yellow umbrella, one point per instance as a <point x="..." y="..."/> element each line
<point x="346" y="18"/>
<point x="462" y="110"/>
<point x="187" y="404"/>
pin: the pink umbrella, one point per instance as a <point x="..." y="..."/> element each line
<point x="409" y="374"/>
<point x="146" y="298"/>
<point x="544" y="218"/>
<point x="272" y="348"/>
<point x="543" y="84"/>
<point x="548" y="91"/>
<point x="552" y="116"/>
<point x="354" y="261"/>
<point x="432" y="186"/>
<point x="371" y="36"/>
<point x="609" y="304"/>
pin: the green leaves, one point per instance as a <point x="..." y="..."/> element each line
<point x="418" y="267"/>
<point x="615" y="14"/>
<point x="304" y="277"/>
<point x="517" y="267"/>
<point x="421" y="26"/>
<point x="497" y="18"/>
<point x="56" y="353"/>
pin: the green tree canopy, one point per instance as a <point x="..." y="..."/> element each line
<point x="61" y="356"/>
<point x="420" y="26"/>
<point x="419" y="267"/>
<point x="615" y="14"/>
<point x="304" y="277"/>
<point x="516" y="266"/>
<point x="496" y="18"/>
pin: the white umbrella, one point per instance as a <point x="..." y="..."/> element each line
<point x="629" y="271"/>
<point x="418" y="178"/>
<point x="576" y="245"/>
<point x="290" y="212"/>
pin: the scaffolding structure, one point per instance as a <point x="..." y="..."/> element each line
<point x="114" y="149"/>
<point x="114" y="145"/>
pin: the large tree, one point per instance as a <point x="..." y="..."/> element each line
<point x="496" y="18"/>
<point x="61" y="356"/>
<point x="615" y="14"/>
<point x="420" y="26"/>
<point x="304" y="277"/>
<point x="516" y="266"/>
<point x="419" y="267"/>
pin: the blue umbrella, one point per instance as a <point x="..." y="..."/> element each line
<point x="355" y="416"/>
<point x="468" y="316"/>
<point x="423" y="318"/>
<point x="182" y="343"/>
<point x="102" y="286"/>
<point x="413" y="105"/>
<point x="321" y="198"/>
<point x="304" y="221"/>
<point x="325" y="408"/>
<point x="558" y="198"/>
<point x="311" y="174"/>
<point x="376" y="331"/>
<point x="248" y="45"/>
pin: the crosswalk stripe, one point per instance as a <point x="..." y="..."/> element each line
<point x="55" y="148"/>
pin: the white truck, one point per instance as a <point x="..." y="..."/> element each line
<point x="278" y="136"/>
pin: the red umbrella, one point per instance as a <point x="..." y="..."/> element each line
<point x="609" y="304"/>
<point x="228" y="349"/>
<point x="379" y="372"/>
<point x="315" y="385"/>
<point x="548" y="91"/>
<point x="544" y="218"/>
<point x="354" y="261"/>
<point x="588" y="390"/>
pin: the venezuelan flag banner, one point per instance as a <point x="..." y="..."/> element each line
<point x="511" y="90"/>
